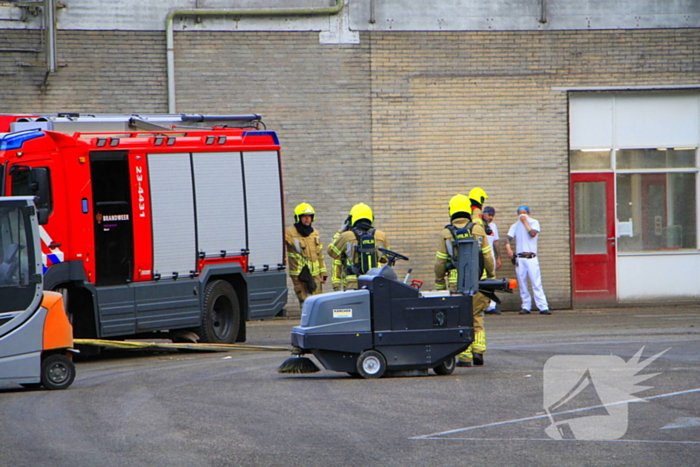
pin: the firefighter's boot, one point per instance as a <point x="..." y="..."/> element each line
<point x="466" y="358"/>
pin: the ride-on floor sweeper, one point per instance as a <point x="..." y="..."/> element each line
<point x="390" y="327"/>
<point x="35" y="334"/>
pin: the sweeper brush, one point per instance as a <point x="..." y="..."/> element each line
<point x="298" y="365"/>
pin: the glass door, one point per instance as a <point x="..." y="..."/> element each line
<point x="593" y="238"/>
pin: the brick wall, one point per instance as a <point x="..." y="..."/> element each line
<point x="451" y="111"/>
<point x="99" y="71"/>
<point x="316" y="97"/>
<point x="401" y="121"/>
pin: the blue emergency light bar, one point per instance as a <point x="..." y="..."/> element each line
<point x="17" y="140"/>
<point x="261" y="133"/>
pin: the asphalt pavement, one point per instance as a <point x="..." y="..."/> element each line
<point x="559" y="390"/>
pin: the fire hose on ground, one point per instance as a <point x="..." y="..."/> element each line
<point x="204" y="347"/>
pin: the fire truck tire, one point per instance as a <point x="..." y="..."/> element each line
<point x="445" y="368"/>
<point x="57" y="372"/>
<point x="221" y="318"/>
<point x="371" y="364"/>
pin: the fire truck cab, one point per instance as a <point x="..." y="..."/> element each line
<point x="159" y="223"/>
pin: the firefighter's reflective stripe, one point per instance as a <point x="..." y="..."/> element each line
<point x="314" y="268"/>
<point x="334" y="250"/>
<point x="479" y="344"/>
<point x="452" y="278"/>
<point x="466" y="356"/>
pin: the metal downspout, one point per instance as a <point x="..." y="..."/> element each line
<point x="50" y="28"/>
<point x="331" y="10"/>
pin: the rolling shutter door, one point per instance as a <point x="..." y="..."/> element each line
<point x="264" y="208"/>
<point x="220" y="203"/>
<point x="172" y="213"/>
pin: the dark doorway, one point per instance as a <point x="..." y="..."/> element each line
<point x="114" y="241"/>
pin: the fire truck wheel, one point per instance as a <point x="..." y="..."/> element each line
<point x="57" y="372"/>
<point x="371" y="364"/>
<point x="221" y="314"/>
<point x="446" y="367"/>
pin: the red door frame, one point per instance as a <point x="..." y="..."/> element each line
<point x="594" y="276"/>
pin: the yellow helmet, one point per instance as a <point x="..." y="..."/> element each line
<point x="478" y="195"/>
<point x="361" y="211"/>
<point x="304" y="209"/>
<point x="459" y="203"/>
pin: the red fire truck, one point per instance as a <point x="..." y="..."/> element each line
<point x="154" y="223"/>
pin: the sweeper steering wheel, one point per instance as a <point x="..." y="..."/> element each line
<point x="392" y="256"/>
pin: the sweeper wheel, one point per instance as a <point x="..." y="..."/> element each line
<point x="371" y="364"/>
<point x="446" y="367"/>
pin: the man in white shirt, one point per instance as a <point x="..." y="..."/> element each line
<point x="487" y="215"/>
<point x="527" y="265"/>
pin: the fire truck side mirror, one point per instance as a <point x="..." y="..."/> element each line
<point x="42" y="216"/>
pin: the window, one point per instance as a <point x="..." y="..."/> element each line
<point x="656" y="211"/>
<point x="14" y="261"/>
<point x="32" y="181"/>
<point x="590" y="219"/>
<point x="590" y="159"/>
<point x="663" y="158"/>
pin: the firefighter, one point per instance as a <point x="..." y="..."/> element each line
<point x="460" y="226"/>
<point x="357" y="248"/>
<point x="338" y="280"/>
<point x="477" y="198"/>
<point x="307" y="268"/>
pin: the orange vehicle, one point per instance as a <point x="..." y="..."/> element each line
<point x="36" y="338"/>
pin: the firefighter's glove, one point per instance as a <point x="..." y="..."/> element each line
<point x="514" y="260"/>
<point x="336" y="289"/>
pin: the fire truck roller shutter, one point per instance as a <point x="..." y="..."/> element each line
<point x="218" y="180"/>
<point x="172" y="205"/>
<point x="264" y="208"/>
<point x="267" y="288"/>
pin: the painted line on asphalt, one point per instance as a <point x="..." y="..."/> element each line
<point x="440" y="434"/>
<point x="589" y="342"/>
<point x="650" y="441"/>
<point x="666" y="316"/>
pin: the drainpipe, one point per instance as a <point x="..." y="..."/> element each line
<point x="50" y="28"/>
<point x="315" y="11"/>
<point x="543" y="12"/>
